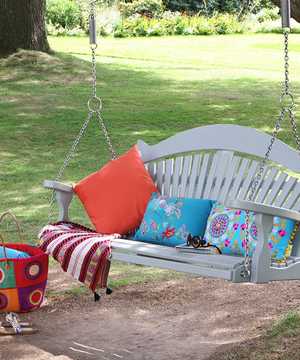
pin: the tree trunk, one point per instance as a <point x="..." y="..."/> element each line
<point x="22" y="25"/>
<point x="295" y="7"/>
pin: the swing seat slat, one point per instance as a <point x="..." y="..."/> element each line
<point x="165" y="257"/>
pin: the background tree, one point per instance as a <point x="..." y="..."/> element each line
<point x="22" y="25"/>
<point x="295" y="5"/>
<point x="241" y="7"/>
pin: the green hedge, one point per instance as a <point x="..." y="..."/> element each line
<point x="69" y="17"/>
<point x="176" y="24"/>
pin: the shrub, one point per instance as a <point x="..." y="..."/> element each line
<point x="155" y="29"/>
<point x="63" y="13"/>
<point x="148" y="8"/>
<point x="176" y="24"/>
<point x="227" y="24"/>
<point x="267" y="15"/>
<point x="60" y="31"/>
<point x="120" y="31"/>
<point x="139" y="27"/>
<point x="202" y="26"/>
<point x="167" y="20"/>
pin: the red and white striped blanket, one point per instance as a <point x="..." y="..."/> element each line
<point x="80" y="251"/>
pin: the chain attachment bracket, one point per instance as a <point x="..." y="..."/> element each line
<point x="92" y="23"/>
<point x="286" y="14"/>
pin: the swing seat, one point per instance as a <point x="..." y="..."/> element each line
<point x="216" y="162"/>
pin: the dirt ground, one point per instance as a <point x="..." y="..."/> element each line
<point x="189" y="318"/>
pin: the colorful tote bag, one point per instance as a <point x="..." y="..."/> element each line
<point x="22" y="279"/>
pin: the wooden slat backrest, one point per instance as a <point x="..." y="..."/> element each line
<point x="217" y="172"/>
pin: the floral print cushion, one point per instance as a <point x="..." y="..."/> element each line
<point x="168" y="221"/>
<point x="226" y="228"/>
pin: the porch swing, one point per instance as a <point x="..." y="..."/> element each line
<point x="238" y="166"/>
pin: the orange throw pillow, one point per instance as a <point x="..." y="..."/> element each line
<point x="116" y="196"/>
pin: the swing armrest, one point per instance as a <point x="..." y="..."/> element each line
<point x="57" y="186"/>
<point x="63" y="194"/>
<point x="261" y="267"/>
<point x="259" y="208"/>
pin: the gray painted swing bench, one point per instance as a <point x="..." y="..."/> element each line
<point x="217" y="162"/>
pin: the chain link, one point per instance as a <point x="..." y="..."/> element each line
<point x="293" y="122"/>
<point x="286" y="109"/>
<point x="94" y="71"/>
<point x="286" y="84"/>
<point x="106" y="134"/>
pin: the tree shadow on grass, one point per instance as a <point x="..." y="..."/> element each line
<point x="44" y="104"/>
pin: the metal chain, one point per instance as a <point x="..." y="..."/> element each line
<point x="106" y="134"/>
<point x="13" y="320"/>
<point x="94" y="106"/>
<point x="286" y="109"/>
<point x="287" y="92"/>
<point x="68" y="158"/>
<point x="95" y="102"/>
<point x="94" y="71"/>
<point x="246" y="271"/>
<point x="286" y="89"/>
<point x="293" y="122"/>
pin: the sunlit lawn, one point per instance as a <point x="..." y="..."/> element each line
<point x="151" y="89"/>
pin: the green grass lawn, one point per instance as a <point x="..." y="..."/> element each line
<point x="151" y="89"/>
<point x="279" y="342"/>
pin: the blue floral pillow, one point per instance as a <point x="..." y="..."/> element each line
<point x="226" y="228"/>
<point x="168" y="221"/>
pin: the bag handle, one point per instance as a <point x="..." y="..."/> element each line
<point x="18" y="226"/>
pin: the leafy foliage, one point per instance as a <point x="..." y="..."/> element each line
<point x="149" y="18"/>
<point x="210" y="7"/>
<point x="149" y="8"/>
<point x="64" y="13"/>
<point x="267" y="15"/>
<point x="177" y="24"/>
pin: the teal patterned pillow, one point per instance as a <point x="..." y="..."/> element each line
<point x="226" y="228"/>
<point x="168" y="221"/>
